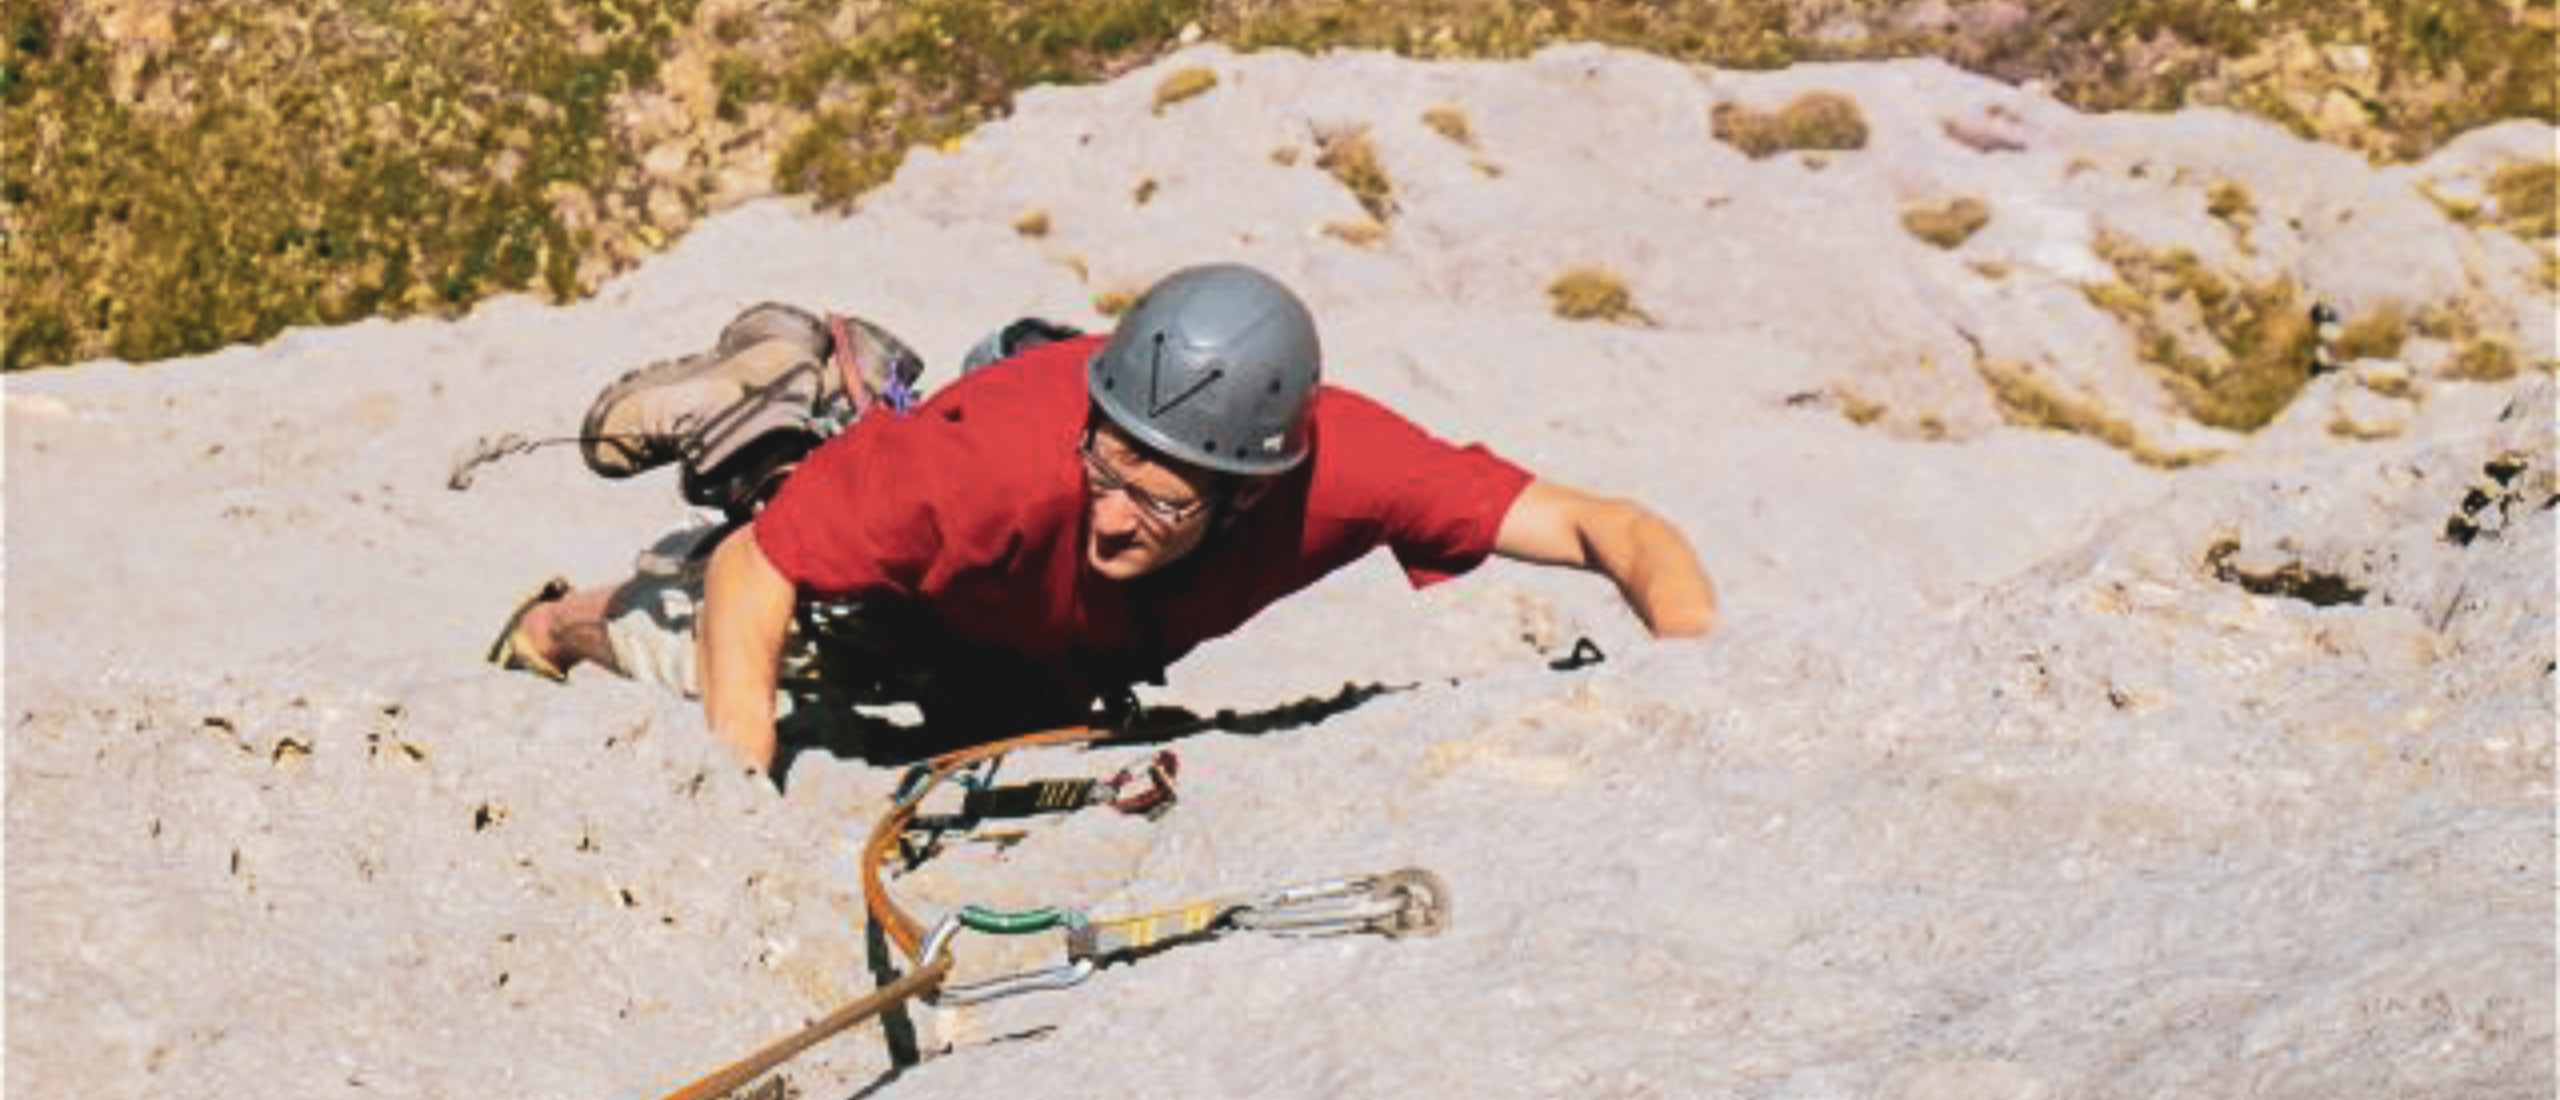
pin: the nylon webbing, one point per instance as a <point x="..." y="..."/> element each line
<point x="1102" y="938"/>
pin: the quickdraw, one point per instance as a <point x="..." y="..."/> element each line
<point x="902" y="929"/>
<point x="1397" y="903"/>
<point x="1147" y="792"/>
<point x="1409" y="902"/>
<point x="983" y="800"/>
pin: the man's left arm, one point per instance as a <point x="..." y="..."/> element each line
<point x="1652" y="564"/>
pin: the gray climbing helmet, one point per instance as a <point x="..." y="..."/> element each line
<point x="1214" y="366"/>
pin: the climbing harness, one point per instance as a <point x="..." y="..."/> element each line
<point x="1396" y="903"/>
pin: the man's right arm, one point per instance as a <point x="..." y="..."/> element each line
<point x="746" y="613"/>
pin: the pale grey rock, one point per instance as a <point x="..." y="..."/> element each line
<point x="2018" y="768"/>
<point x="2427" y="358"/>
<point x="2360" y="412"/>
<point x="2385" y="377"/>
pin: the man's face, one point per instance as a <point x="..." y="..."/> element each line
<point x="1143" y="512"/>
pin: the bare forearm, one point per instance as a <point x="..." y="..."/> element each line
<point x="1655" y="569"/>
<point x="745" y="614"/>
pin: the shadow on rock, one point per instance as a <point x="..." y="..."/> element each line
<point x="851" y="734"/>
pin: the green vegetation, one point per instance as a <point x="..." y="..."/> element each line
<point x="1825" y="121"/>
<point x="265" y="163"/>
<point x="2430" y="68"/>
<point x="1949" y="225"/>
<point x="406" y="166"/>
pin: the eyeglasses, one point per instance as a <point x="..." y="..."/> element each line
<point x="1102" y="480"/>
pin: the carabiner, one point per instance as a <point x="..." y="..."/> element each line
<point x="1002" y="922"/>
<point x="1035" y="981"/>
<point x="1156" y="797"/>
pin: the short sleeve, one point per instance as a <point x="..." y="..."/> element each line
<point x="1438" y="506"/>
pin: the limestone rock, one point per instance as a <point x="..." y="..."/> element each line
<point x="2363" y="413"/>
<point x="2063" y="769"/>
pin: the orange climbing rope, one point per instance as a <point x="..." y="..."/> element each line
<point x="931" y="966"/>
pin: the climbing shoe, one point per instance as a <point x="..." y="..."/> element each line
<point x="513" y="651"/>
<point x="773" y="368"/>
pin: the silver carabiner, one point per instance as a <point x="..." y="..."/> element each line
<point x="1035" y="981"/>
<point x="939" y="944"/>
<point x="1411" y="901"/>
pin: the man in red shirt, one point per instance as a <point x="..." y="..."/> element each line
<point x="1075" y="518"/>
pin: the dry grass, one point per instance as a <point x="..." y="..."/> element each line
<point x="1826" y="121"/>
<point x="2377" y="334"/>
<point x="1858" y="408"/>
<point x="1594" y="294"/>
<point x="1145" y="190"/>
<point x="1183" y="84"/>
<point x="2458" y="210"/>
<point x="2229" y="201"/>
<point x="2486" y="359"/>
<point x="1112" y="303"/>
<point x="1451" y="123"/>
<point x="2527" y="195"/>
<point x="1351" y="157"/>
<point x="2126" y="303"/>
<point x="2026" y="399"/>
<point x="1364" y="233"/>
<point x="2445" y="321"/>
<point x="1032" y="223"/>
<point x="1948" y="225"/>
<point x="2258" y="337"/>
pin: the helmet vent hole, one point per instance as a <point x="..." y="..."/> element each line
<point x="1275" y="385"/>
<point x="1211" y="446"/>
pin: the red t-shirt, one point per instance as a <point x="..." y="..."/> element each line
<point x="974" y="506"/>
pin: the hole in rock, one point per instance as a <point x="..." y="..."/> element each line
<point x="2289" y="578"/>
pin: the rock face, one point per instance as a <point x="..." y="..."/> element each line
<point x="2024" y="764"/>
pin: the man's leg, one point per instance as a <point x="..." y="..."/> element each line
<point x="641" y="628"/>
<point x="567" y="632"/>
